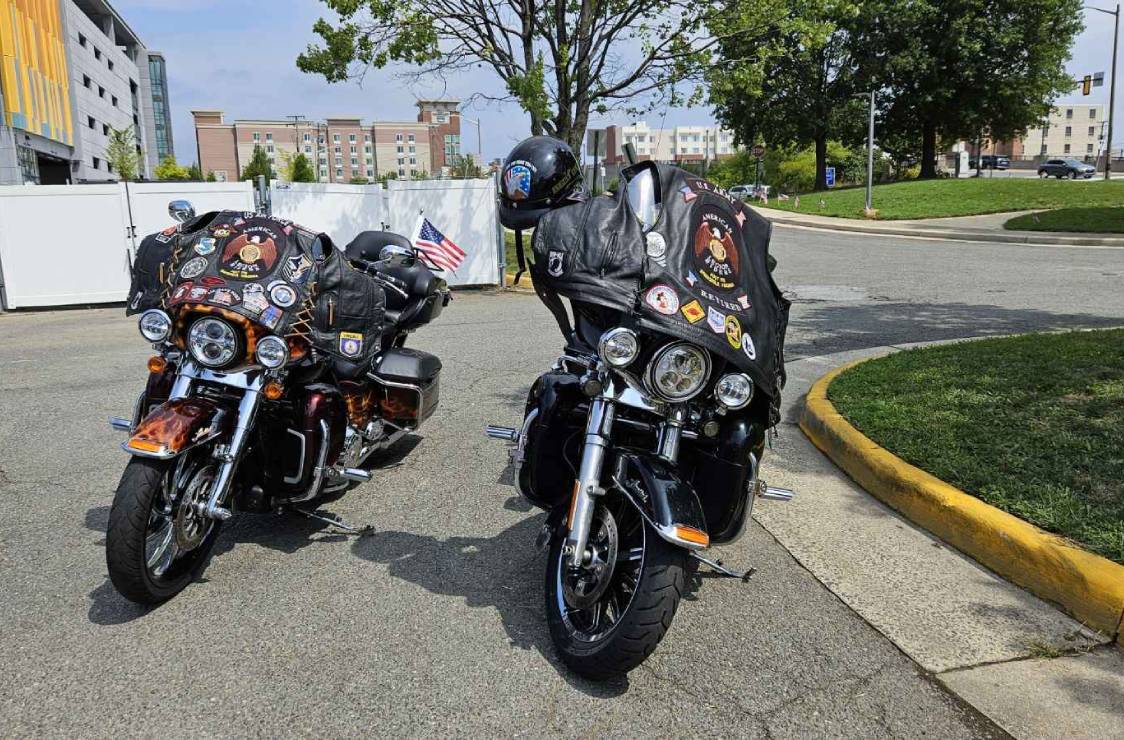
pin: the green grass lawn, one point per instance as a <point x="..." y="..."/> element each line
<point x="1033" y="425"/>
<point x="937" y="198"/>
<point x="1087" y="220"/>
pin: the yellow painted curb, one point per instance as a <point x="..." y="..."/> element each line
<point x="1089" y="587"/>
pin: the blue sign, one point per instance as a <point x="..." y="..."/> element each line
<point x="829" y="176"/>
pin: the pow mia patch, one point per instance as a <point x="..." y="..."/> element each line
<point x="556" y="263"/>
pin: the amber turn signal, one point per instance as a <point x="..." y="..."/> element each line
<point x="272" y="390"/>
<point x="156" y="364"/>
<point x="690" y="534"/>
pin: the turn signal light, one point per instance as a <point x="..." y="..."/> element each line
<point x="272" y="390"/>
<point x="145" y="445"/>
<point x="156" y="364"/>
<point x="690" y="534"/>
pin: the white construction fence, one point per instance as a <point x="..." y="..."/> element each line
<point x="66" y="245"/>
<point x="463" y="210"/>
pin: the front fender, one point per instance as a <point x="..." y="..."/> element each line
<point x="176" y="426"/>
<point x="668" y="502"/>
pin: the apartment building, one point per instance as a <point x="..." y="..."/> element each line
<point x="340" y="148"/>
<point x="445" y="137"/>
<point x="671" y="145"/>
<point x="71" y="70"/>
<point x="156" y="111"/>
<point x="1072" y="129"/>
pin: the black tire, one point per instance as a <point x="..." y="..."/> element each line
<point x="125" y="538"/>
<point x="646" y="619"/>
<point x="1043" y="174"/>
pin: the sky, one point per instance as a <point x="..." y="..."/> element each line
<point x="239" y="56"/>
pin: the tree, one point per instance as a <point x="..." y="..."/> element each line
<point x="259" y="165"/>
<point x="950" y="70"/>
<point x="194" y="173"/>
<point x="299" y="169"/>
<point x="800" y="95"/>
<point x="211" y="176"/>
<point x="168" y="169"/>
<point x="122" y="153"/>
<point x="358" y="180"/>
<point x="559" y="60"/>
<point x="464" y="167"/>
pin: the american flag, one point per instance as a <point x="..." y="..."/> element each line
<point x="437" y="247"/>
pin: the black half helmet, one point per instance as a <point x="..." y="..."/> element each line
<point x="540" y="174"/>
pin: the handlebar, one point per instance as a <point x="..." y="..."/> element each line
<point x="398" y="286"/>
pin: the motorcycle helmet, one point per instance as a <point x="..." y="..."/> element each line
<point x="541" y="173"/>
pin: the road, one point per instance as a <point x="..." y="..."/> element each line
<point x="434" y="624"/>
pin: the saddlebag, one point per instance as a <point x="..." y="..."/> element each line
<point x="408" y="383"/>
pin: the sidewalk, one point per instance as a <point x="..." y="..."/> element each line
<point x="981" y="637"/>
<point x="985" y="228"/>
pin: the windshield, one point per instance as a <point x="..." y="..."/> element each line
<point x="643" y="195"/>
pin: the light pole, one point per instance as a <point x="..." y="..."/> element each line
<point x="869" y="149"/>
<point x="1112" y="84"/>
<point x="479" y="140"/>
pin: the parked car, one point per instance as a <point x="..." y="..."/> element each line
<point x="741" y="192"/>
<point x="1071" y="168"/>
<point x="991" y="162"/>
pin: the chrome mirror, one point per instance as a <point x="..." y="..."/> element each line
<point x="393" y="250"/>
<point x="181" y="210"/>
<point x="644" y="198"/>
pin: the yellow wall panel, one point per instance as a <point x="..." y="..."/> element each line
<point x="33" y="75"/>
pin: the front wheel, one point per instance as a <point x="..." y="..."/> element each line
<point x="156" y="541"/>
<point x="607" y="617"/>
<point x="1073" y="175"/>
<point x="1043" y="174"/>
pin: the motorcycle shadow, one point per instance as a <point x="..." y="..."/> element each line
<point x="503" y="572"/>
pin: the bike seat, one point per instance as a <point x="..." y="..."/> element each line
<point x="368" y="245"/>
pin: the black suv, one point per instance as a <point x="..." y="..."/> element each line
<point x="1070" y="168"/>
<point x="991" y="162"/>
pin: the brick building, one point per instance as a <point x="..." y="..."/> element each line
<point x="340" y="148"/>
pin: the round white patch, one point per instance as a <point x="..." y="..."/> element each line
<point x="747" y="346"/>
<point x="193" y="268"/>
<point x="282" y="295"/>
<point x="663" y="299"/>
<point x="656" y="245"/>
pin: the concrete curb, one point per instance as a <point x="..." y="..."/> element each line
<point x="1089" y="587"/>
<point x="953" y="234"/>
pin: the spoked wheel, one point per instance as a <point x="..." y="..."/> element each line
<point x="608" y="616"/>
<point x="157" y="541"/>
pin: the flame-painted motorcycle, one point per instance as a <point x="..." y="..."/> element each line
<point x="644" y="441"/>
<point x="280" y="367"/>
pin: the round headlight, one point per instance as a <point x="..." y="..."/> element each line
<point x="155" y="325"/>
<point x="619" y="347"/>
<point x="213" y="342"/>
<point x="273" y="352"/>
<point x="734" y="391"/>
<point x="678" y="371"/>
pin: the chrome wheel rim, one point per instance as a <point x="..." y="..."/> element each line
<point x="174" y="527"/>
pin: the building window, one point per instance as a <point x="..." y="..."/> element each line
<point x="105" y="129"/>
<point x="1067" y="148"/>
<point x="1092" y="131"/>
<point x="413" y="173"/>
<point x="366" y="137"/>
<point x="354" y="162"/>
<point x="97" y="53"/>
<point x="354" y="149"/>
<point x="401" y="172"/>
<point x="82" y="41"/>
<point x="411" y="149"/>
<point x="338" y="150"/>
<point x="1069" y="112"/>
<point x="410" y="138"/>
<point x="401" y="161"/>
<point x="399" y="148"/>
<point x="257" y="136"/>
<point x="369" y="160"/>
<point x="101" y="92"/>
<point x="90" y="121"/>
<point x="398" y="137"/>
<point x="1069" y="131"/>
<point x="308" y="150"/>
<point x="96" y="162"/>
<point x="86" y="81"/>
<point x="1088" y="148"/>
<point x="268" y="136"/>
<point x="413" y="160"/>
<point x="323" y="172"/>
<point x="113" y="99"/>
<point x="308" y="137"/>
<point x="1043" y="149"/>
<point x="339" y="172"/>
<point x="351" y="138"/>
<point x="336" y="138"/>
<point x="370" y="172"/>
<point x="110" y="63"/>
<point x="269" y="148"/>
<point x="339" y="161"/>
<point x="441" y="117"/>
<point x="367" y="149"/>
<point x="1092" y="113"/>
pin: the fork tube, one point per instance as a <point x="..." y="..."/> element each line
<point x="671" y="431"/>
<point x="247" y="409"/>
<point x="597" y="430"/>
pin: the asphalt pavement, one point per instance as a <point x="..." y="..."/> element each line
<point x="434" y="624"/>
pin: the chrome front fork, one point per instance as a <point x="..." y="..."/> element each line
<point x="247" y="410"/>
<point x="598" y="428"/>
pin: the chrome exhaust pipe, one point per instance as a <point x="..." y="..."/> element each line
<point x="773" y="493"/>
<point x="507" y="434"/>
<point x="120" y="425"/>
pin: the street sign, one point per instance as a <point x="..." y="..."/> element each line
<point x="829" y="176"/>
<point x="1098" y="79"/>
<point x="759" y="150"/>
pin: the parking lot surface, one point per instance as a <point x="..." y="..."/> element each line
<point x="434" y="624"/>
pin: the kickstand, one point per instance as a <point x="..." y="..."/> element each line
<point x="336" y="522"/>
<point x="717" y="567"/>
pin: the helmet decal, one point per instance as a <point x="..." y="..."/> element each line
<point x="517" y="181"/>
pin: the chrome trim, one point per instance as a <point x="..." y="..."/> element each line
<point x="599" y="426"/>
<point x="247" y="410"/>
<point x="507" y="434"/>
<point x="120" y="425"/>
<point x="650" y="383"/>
<point x="406" y="386"/>
<point x="750" y="494"/>
<point x="668" y="533"/>
<point x="610" y="335"/>
<point x="773" y="493"/>
<point x="250" y="378"/>
<point x="355" y="474"/>
<point x="519" y="452"/>
<point x="665" y="533"/>
<point x="752" y="392"/>
<point x="671" y="432"/>
<point x="300" y="471"/>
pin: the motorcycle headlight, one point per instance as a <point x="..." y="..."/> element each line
<point x="273" y="352"/>
<point x="155" y="325"/>
<point x="213" y="342"/>
<point x="734" y="391"/>
<point x="619" y="347"/>
<point x="678" y="371"/>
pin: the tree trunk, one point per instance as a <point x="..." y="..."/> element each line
<point x="821" y="162"/>
<point x="928" y="151"/>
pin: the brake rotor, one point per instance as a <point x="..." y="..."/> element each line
<point x="584" y="586"/>
<point x="189" y="526"/>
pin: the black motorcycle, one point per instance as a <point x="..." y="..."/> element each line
<point x="644" y="440"/>
<point x="279" y="368"/>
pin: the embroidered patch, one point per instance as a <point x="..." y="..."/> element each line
<point x="662" y="299"/>
<point x="693" y="312"/>
<point x="351" y="344"/>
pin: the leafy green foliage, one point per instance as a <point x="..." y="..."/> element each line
<point x="358" y="180"/>
<point x="194" y="173"/>
<point x="211" y="177"/>
<point x="463" y="166"/>
<point x="1103" y="220"/>
<point x="558" y="60"/>
<point x="1033" y="425"/>
<point x="299" y="169"/>
<point x="168" y="169"/>
<point x="121" y="152"/>
<point x="259" y="165"/>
